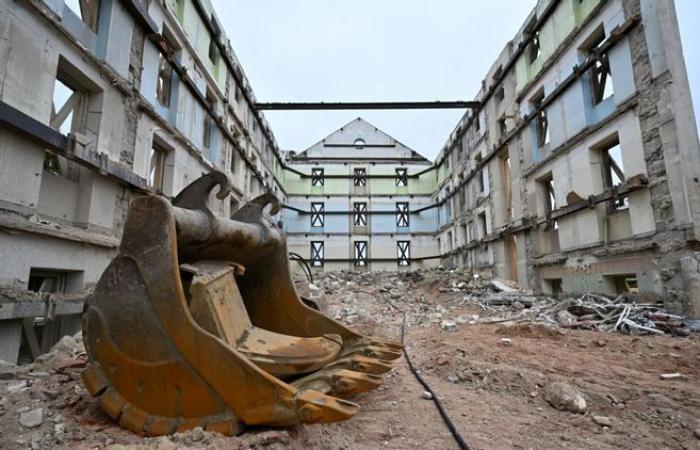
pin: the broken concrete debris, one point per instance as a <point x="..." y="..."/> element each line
<point x="603" y="421"/>
<point x="31" y="418"/>
<point x="565" y="397"/>
<point x="500" y="302"/>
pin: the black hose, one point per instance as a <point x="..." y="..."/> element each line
<point x="438" y="404"/>
<point x="303" y="264"/>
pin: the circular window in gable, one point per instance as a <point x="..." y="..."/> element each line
<point x="359" y="143"/>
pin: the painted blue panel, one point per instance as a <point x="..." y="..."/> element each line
<point x="574" y="108"/>
<point x="384" y="223"/>
<point x="595" y="114"/>
<point x="425" y="221"/>
<point x="336" y="223"/>
<point x="532" y="133"/>
<point x="149" y="73"/>
<point x="79" y="30"/>
<point x="621" y="70"/>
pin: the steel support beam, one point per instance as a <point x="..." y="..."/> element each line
<point x="319" y="106"/>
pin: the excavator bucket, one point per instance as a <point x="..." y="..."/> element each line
<point x="196" y="322"/>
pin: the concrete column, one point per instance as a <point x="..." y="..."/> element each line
<point x="690" y="268"/>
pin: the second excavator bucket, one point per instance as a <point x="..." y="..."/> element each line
<point x="196" y="322"/>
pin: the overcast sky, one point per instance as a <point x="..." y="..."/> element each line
<point x="382" y="50"/>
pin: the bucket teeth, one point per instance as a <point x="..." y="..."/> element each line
<point x="315" y="407"/>
<point x="360" y="363"/>
<point x="196" y="322"/>
<point x="376" y="352"/>
<point x="347" y="382"/>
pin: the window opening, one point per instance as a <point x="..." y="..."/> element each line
<point x="317" y="177"/>
<point x="360" y="253"/>
<point x="317" y="253"/>
<point x="401" y="177"/>
<point x="360" y="177"/>
<point x="613" y="172"/>
<point x="600" y="74"/>
<point x="403" y="252"/>
<point x="317" y="214"/>
<point x="402" y="214"/>
<point x="87" y="10"/>
<point x="360" y="214"/>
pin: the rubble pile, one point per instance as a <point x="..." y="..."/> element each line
<point x="499" y="301"/>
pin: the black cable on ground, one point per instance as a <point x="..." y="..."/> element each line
<point x="438" y="404"/>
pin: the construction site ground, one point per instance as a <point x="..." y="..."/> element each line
<point x="640" y="392"/>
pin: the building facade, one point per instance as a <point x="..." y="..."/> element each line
<point x="361" y="200"/>
<point x="101" y="101"/>
<point x="579" y="172"/>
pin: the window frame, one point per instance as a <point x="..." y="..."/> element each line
<point x="360" y="214"/>
<point x="401" y="176"/>
<point x="610" y="168"/>
<point x="317" y="214"/>
<point x="360" y="176"/>
<point x="164" y="82"/>
<point x="360" y="253"/>
<point x="403" y="253"/>
<point x="317" y="253"/>
<point x="402" y="215"/>
<point x="600" y="73"/>
<point x="317" y="176"/>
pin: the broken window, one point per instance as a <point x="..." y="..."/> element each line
<point x="317" y="214"/>
<point x="403" y="252"/>
<point x="317" y="177"/>
<point x="238" y="94"/>
<point x="448" y="204"/>
<point x="613" y="172"/>
<point x="550" y="200"/>
<point x="163" y="86"/>
<point x="533" y="49"/>
<point x="600" y="75"/>
<point x="47" y="281"/>
<point x="67" y="105"/>
<point x="87" y="10"/>
<point x="500" y="94"/>
<point x="541" y="122"/>
<point x="206" y="131"/>
<point x="360" y="176"/>
<point x="213" y="52"/>
<point x="401" y="214"/>
<point x="507" y="187"/>
<point x="622" y="283"/>
<point x="232" y="166"/>
<point x="481" y="173"/>
<point x="156" y="170"/>
<point x="477" y="122"/>
<point x="360" y="214"/>
<point x="360" y="251"/>
<point x="497" y="74"/>
<point x="68" y="112"/>
<point x="402" y="177"/>
<point x="317" y="253"/>
<point x="552" y="286"/>
<point x="502" y="127"/>
<point x="482" y="224"/>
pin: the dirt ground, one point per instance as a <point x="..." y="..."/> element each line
<point x="491" y="378"/>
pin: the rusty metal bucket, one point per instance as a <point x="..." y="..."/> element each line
<point x="196" y="322"/>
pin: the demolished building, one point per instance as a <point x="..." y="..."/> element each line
<point x="578" y="172"/>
